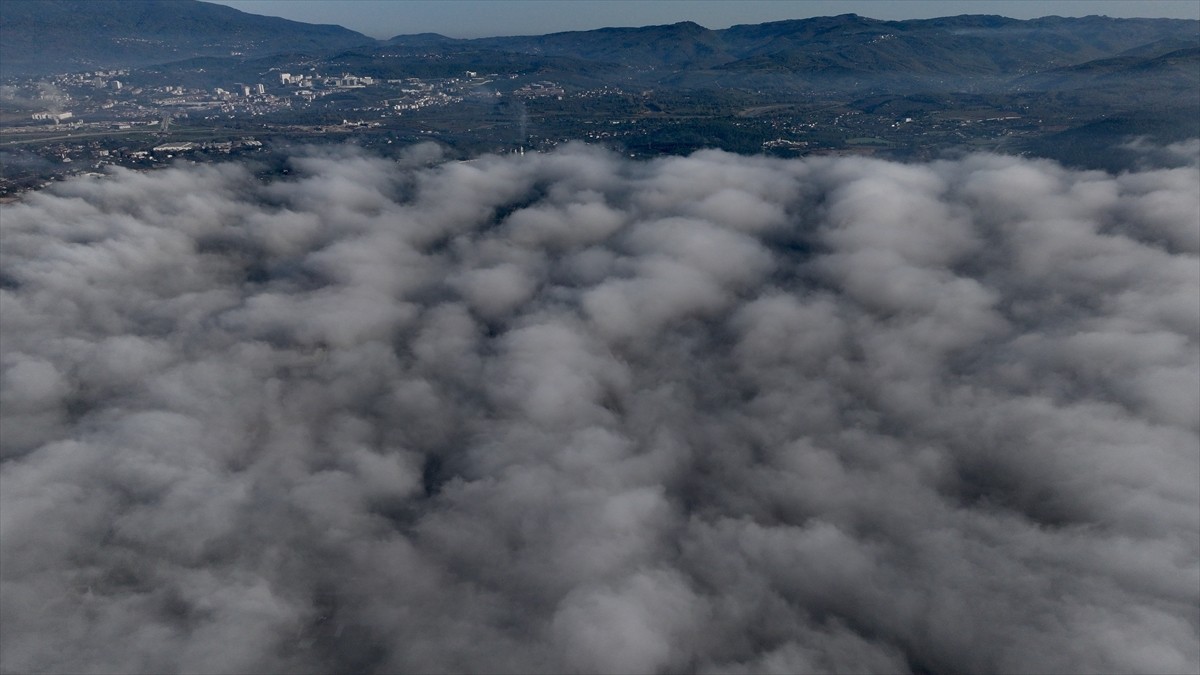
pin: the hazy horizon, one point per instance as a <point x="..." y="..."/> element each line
<point x="477" y="18"/>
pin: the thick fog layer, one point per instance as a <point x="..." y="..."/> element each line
<point x="574" y="413"/>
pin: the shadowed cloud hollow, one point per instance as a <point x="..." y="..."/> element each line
<point x="573" y="413"/>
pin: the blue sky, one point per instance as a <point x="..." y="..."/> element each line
<point x="478" y="18"/>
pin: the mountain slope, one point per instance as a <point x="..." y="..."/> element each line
<point x="48" y="36"/>
<point x="851" y="46"/>
<point x="846" y="53"/>
<point x="1175" y="70"/>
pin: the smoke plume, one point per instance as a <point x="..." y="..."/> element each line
<point x="568" y="412"/>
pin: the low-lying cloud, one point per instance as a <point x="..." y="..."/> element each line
<point x="571" y="413"/>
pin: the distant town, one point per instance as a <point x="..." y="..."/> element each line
<point x="116" y="118"/>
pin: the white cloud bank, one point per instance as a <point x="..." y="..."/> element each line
<point x="571" y="413"/>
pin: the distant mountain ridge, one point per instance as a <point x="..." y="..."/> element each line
<point x="40" y="37"/>
<point x="846" y="52"/>
<point x="967" y="44"/>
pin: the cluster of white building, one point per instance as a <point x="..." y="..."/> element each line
<point x="52" y="117"/>
<point x="219" y="146"/>
<point x="540" y="89"/>
<point x="345" y="81"/>
<point x="246" y="90"/>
